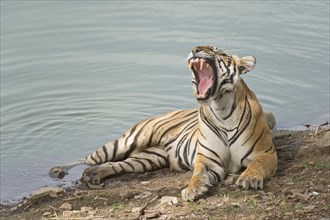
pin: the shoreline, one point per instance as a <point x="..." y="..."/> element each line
<point x="298" y="150"/>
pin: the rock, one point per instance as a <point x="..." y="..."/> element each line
<point x="47" y="191"/>
<point x="170" y="200"/>
<point x="86" y="209"/>
<point x="143" y="195"/>
<point x="126" y="195"/>
<point x="145" y="183"/>
<point x="45" y="214"/>
<point x="67" y="213"/>
<point x="314" y="193"/>
<point x="66" y="206"/>
<point x="74" y="213"/>
<point x="136" y="210"/>
<point x="151" y="214"/>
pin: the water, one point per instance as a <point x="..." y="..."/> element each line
<point x="75" y="75"/>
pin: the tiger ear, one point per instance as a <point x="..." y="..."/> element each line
<point x="245" y="64"/>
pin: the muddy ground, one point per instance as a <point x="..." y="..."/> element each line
<point x="300" y="189"/>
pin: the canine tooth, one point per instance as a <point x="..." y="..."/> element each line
<point x="204" y="94"/>
<point x="191" y="63"/>
<point x="201" y="65"/>
<point x="207" y="65"/>
<point x="195" y="94"/>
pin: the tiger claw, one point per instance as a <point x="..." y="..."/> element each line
<point x="250" y="182"/>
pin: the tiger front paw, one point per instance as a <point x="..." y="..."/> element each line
<point x="248" y="181"/>
<point x="196" y="187"/>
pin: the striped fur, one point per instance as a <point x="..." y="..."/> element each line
<point x="226" y="133"/>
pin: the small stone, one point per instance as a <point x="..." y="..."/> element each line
<point x="314" y="193"/>
<point x="143" y="195"/>
<point x="153" y="214"/>
<point x="13" y="209"/>
<point x="170" y="200"/>
<point x="66" y="206"/>
<point x="86" y="209"/>
<point x="145" y="183"/>
<point x="45" y="214"/>
<point x="163" y="217"/>
<point x="312" y="163"/>
<point x="91" y="212"/>
<point x="136" y="209"/>
<point x="288" y="213"/>
<point x="67" y="213"/>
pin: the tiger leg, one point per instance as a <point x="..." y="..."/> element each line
<point x="134" y="140"/>
<point x="262" y="167"/>
<point x="149" y="159"/>
<point x="205" y="174"/>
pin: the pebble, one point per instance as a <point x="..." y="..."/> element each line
<point x="86" y="209"/>
<point x="66" y="206"/>
<point x="170" y="200"/>
<point x="45" y="214"/>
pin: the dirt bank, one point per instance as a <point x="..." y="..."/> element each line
<point x="299" y="190"/>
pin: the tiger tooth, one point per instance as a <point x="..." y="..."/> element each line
<point x="201" y="65"/>
<point x="207" y="65"/>
<point x="204" y="94"/>
<point x="191" y="64"/>
<point x="195" y="94"/>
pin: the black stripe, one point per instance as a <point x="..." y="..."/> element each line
<point x="269" y="149"/>
<point x="214" y="128"/>
<point x="95" y="161"/>
<point x="155" y="153"/>
<point x="179" y="145"/>
<point x="105" y="153"/>
<point x="114" y="170"/>
<point x="131" y="133"/>
<point x="232" y="109"/>
<point x="122" y="168"/>
<point x="240" y="131"/>
<point x="192" y="157"/>
<point x="216" y="176"/>
<point x="251" y="149"/>
<point x="130" y="150"/>
<point x="210" y="150"/>
<point x="144" y="167"/>
<point x="211" y="159"/>
<point x="181" y="165"/>
<point x="98" y="155"/>
<point x="151" y="163"/>
<point x="115" y="148"/>
<point x="173" y="118"/>
<point x="130" y="165"/>
<point x="254" y="129"/>
<point x="133" y="145"/>
<point x="174" y="126"/>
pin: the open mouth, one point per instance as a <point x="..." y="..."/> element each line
<point x="204" y="77"/>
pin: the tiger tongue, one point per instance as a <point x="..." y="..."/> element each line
<point x="205" y="82"/>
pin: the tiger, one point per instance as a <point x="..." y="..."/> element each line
<point x="227" y="133"/>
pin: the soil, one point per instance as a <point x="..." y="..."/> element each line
<point x="299" y="190"/>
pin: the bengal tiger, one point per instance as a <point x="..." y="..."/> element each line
<point x="228" y="132"/>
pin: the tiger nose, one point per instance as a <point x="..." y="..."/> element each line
<point x="195" y="50"/>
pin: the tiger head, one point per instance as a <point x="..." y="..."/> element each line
<point x="214" y="72"/>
